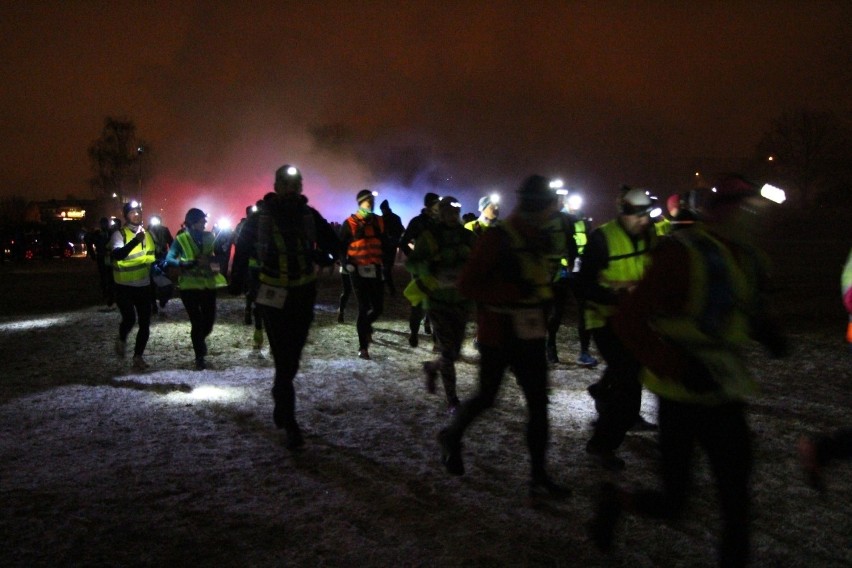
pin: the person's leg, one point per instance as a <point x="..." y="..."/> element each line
<point x="726" y="438"/>
<point x="142" y="305"/>
<point x="530" y="367"/>
<point x="554" y="318"/>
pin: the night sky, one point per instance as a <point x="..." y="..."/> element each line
<point x="458" y="97"/>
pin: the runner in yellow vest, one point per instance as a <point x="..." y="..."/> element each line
<point x="200" y="277"/>
<point x="132" y="254"/>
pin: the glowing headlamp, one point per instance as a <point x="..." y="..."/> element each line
<point x="772" y="193"/>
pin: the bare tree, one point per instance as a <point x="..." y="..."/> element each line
<point x="115" y="158"/>
<point x="806" y="152"/>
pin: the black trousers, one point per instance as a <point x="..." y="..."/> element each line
<point x="252" y="286"/>
<point x="618" y="393"/>
<point x="287" y="329"/>
<point x="201" y="307"/>
<point x="723" y="433"/>
<point x="583" y="333"/>
<point x="134" y="302"/>
<point x="370" y="293"/>
<point x="557" y="310"/>
<point x="526" y="358"/>
<point x="448" y="330"/>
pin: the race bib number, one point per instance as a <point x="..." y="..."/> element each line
<point x="529" y="324"/>
<point x="368" y="271"/>
<point x="272" y="296"/>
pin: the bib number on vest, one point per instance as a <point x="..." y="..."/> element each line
<point x="272" y="296"/>
<point x="368" y="271"/>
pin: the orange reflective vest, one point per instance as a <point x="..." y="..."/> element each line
<point x="367" y="249"/>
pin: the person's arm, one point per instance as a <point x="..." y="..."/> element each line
<point x="663" y="291"/>
<point x="328" y="245"/>
<point x="595" y="260"/>
<point x="120" y="249"/>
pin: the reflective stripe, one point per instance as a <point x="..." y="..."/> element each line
<point x="714" y="323"/>
<point x="135" y="267"/>
<point x="294" y="266"/>
<point x="198" y="277"/>
<point x="533" y="268"/>
<point x="580" y="236"/>
<point x="368" y="249"/>
<point x="626" y="264"/>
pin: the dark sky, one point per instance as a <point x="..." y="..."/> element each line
<point x="464" y="96"/>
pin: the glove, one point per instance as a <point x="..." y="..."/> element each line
<point x="697" y="378"/>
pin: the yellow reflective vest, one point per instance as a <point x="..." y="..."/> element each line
<point x="136" y="266"/>
<point x="200" y="276"/>
<point x="714" y="324"/>
<point x="626" y="264"/>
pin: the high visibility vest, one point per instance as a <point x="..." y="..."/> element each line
<point x="198" y="277"/>
<point x="450" y="248"/>
<point x="289" y="264"/>
<point x="627" y="263"/>
<point x="714" y="323"/>
<point x="136" y="266"/>
<point x="367" y="249"/>
<point x="663" y="227"/>
<point x="478" y="227"/>
<point x="580" y="236"/>
<point x="533" y="268"/>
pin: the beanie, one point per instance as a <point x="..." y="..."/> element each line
<point x="535" y="194"/>
<point x="364" y="194"/>
<point x="430" y="199"/>
<point x="288" y="179"/>
<point x="194" y="216"/>
<point x="131" y="206"/>
<point x="484" y="202"/>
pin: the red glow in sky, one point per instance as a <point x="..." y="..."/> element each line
<point x="460" y="97"/>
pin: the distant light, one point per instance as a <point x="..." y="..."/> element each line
<point x="773" y="193"/>
<point x="254" y="208"/>
<point x="224" y="223"/>
<point x="155" y="221"/>
<point x="561" y="191"/>
<point x="575" y="202"/>
<point x="556" y="184"/>
<point x="770" y="158"/>
<point x="115" y="195"/>
<point x="697" y="174"/>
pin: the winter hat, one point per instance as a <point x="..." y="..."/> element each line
<point x="288" y="179"/>
<point x="449" y="202"/>
<point x="484" y="202"/>
<point x="364" y="194"/>
<point x="194" y="216"/>
<point x="635" y="201"/>
<point x="131" y="206"/>
<point x="431" y="199"/>
<point x="384" y="205"/>
<point x="535" y="194"/>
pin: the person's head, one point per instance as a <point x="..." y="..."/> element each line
<point x="536" y="196"/>
<point x="288" y="180"/>
<point x="384" y="206"/>
<point x="132" y="211"/>
<point x="489" y="207"/>
<point x="430" y="202"/>
<point x="634" y="209"/>
<point x="103" y="223"/>
<point x="366" y="199"/>
<point x="673" y="205"/>
<point x="449" y="210"/>
<point x="155" y="221"/>
<point x="734" y="206"/>
<point x="195" y="219"/>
